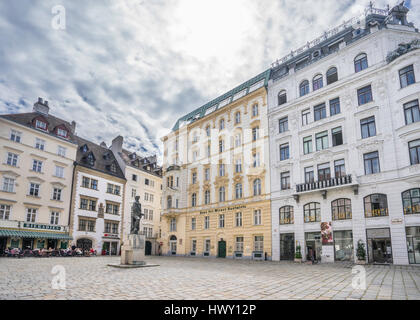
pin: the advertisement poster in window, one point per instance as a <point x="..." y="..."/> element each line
<point x="326" y="233"/>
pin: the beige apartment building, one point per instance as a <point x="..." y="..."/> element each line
<point x="216" y="194"/>
<point x="144" y="179"/>
<point x="37" y="151"/>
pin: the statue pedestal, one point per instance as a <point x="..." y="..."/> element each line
<point x="132" y="252"/>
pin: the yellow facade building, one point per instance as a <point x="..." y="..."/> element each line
<point x="216" y="195"/>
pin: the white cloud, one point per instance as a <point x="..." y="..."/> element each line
<point x="133" y="68"/>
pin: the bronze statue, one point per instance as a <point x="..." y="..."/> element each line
<point x="136" y="216"/>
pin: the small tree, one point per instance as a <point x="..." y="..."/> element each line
<point x="298" y="254"/>
<point x="361" y="251"/>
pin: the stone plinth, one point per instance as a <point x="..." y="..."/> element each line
<point x="132" y="252"/>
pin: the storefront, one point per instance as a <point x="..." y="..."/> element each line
<point x="379" y="245"/>
<point x="110" y="248"/>
<point x="287" y="246"/>
<point x="413" y="244"/>
<point x="313" y="245"/>
<point x="24" y="239"/>
<point x="343" y="245"/>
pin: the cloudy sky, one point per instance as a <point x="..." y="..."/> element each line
<point x="132" y="68"/>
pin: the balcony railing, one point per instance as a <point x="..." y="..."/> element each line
<point x="173" y="167"/>
<point x="322" y="184"/>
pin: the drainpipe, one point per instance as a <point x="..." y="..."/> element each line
<point x="71" y="193"/>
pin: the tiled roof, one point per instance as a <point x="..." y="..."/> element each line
<point x="26" y="119"/>
<point x="140" y="163"/>
<point x="103" y="157"/>
<point x="228" y="97"/>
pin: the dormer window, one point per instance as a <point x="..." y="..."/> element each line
<point x="62" y="133"/>
<point x="41" y="125"/>
<point x="85" y="148"/>
<point x="91" y="159"/>
<point x="113" y="167"/>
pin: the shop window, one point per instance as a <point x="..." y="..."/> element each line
<point x="376" y="205"/>
<point x="411" y="201"/>
<point x="341" y="209"/>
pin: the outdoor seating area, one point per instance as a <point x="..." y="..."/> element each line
<point x="28" y="252"/>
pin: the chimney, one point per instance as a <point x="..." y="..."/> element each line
<point x="73" y="126"/>
<point x="117" y="144"/>
<point x="41" y="107"/>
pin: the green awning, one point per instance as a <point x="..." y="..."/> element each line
<point x="33" y="234"/>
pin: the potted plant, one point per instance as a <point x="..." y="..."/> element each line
<point x="361" y="252"/>
<point x="298" y="254"/>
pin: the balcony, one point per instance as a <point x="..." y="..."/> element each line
<point x="321" y="185"/>
<point x="172" y="168"/>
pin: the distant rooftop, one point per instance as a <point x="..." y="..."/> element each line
<point x="240" y="91"/>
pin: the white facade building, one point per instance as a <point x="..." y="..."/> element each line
<point x="345" y="143"/>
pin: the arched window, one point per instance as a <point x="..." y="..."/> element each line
<point x="222" y="124"/>
<point x="411" y="201"/>
<point x="341" y="209"/>
<point x="282" y="97"/>
<point x="376" y="205"/>
<point x="312" y="212"/>
<point x="332" y="75"/>
<point x="169" y="202"/>
<point x="317" y="82"/>
<point x="304" y="87"/>
<point x="360" y="62"/>
<point x="193" y="200"/>
<point x="257" y="187"/>
<point x="207" y="197"/>
<point x="237" y="117"/>
<point x="286" y="215"/>
<point x="222" y="194"/>
<point x="238" y="190"/>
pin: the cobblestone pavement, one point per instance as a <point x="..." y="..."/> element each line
<point x="200" y="278"/>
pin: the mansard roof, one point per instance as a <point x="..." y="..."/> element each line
<point x="245" y="88"/>
<point x="103" y="158"/>
<point x="148" y="164"/>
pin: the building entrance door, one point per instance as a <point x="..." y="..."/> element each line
<point x="313" y="245"/>
<point x="379" y="245"/>
<point x="84" y="244"/>
<point x="221" y="252"/>
<point x="3" y="243"/>
<point x="287" y="246"/>
<point x="27" y="243"/>
<point x="52" y="243"/>
<point x="148" y="249"/>
<point x="172" y="245"/>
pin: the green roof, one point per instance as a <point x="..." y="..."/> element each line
<point x="201" y="112"/>
<point x="33" y="234"/>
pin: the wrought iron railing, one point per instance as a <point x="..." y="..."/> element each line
<point x="322" y="184"/>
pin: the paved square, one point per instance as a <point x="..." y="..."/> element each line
<point x="200" y="278"/>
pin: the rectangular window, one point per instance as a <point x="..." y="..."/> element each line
<point x="54" y="218"/>
<point x="194" y="177"/>
<point x="134" y="177"/>
<point x="339" y="168"/>
<point x="61" y="151"/>
<point x="39" y="144"/>
<point x="206" y="222"/>
<point x="193" y="245"/>
<point x="15" y="136"/>
<point x="31" y="214"/>
<point x="37" y="165"/>
<point x="334" y="106"/>
<point x="305" y="117"/>
<point x="83" y="203"/>
<point x="368" y="127"/>
<point x="320" y="112"/>
<point x="283" y="125"/>
<point x="59" y="171"/>
<point x="8" y="184"/>
<point x="85" y="182"/>
<point x="193" y="223"/>
<point x="207" y="174"/>
<point x="285" y="180"/>
<point x="133" y="193"/>
<point x="146" y="181"/>
<point x="337" y="136"/>
<point x="412" y="112"/>
<point x="256" y="160"/>
<point x="221" y="170"/>
<point x="307" y="145"/>
<point x="57" y="194"/>
<point x="221" y="146"/>
<point x="309" y="175"/>
<point x="371" y="161"/>
<point x="414" y="149"/>
<point x="364" y="95"/>
<point x="207" y="245"/>
<point x="172" y="226"/>
<point x="407" y="76"/>
<point x="321" y="140"/>
<point x="238" y="165"/>
<point x="34" y="189"/>
<point x="284" y="152"/>
<point x="257" y="217"/>
<point x="12" y="159"/>
<point x="5" y="212"/>
<point x="221" y="221"/>
<point x="259" y="243"/>
<point x="324" y="171"/>
<point x="255" y="133"/>
<point x="238" y="219"/>
<point x="239" y="244"/>
<point x="41" y="125"/>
